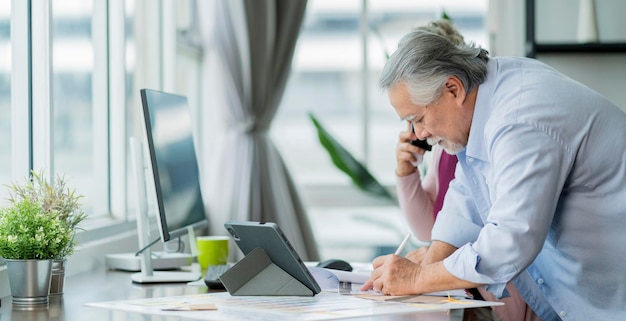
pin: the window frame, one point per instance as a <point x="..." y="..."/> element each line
<point x="31" y="114"/>
<point x="21" y="88"/>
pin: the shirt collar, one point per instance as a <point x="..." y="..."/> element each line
<point x="476" y="143"/>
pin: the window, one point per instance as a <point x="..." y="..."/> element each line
<point x="74" y="128"/>
<point x="73" y="69"/>
<point x="71" y="61"/>
<point x="5" y="95"/>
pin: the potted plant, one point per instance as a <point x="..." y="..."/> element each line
<point x="29" y="241"/>
<point x="56" y="200"/>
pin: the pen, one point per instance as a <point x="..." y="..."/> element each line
<point x="403" y="244"/>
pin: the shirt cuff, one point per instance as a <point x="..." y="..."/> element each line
<point x="415" y="176"/>
<point x="463" y="264"/>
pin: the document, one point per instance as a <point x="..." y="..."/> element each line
<point x="324" y="306"/>
<point x="329" y="279"/>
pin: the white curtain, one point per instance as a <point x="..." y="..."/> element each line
<point x="249" y="47"/>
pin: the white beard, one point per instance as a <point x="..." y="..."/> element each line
<point x="449" y="147"/>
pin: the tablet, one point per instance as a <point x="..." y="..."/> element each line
<point x="267" y="235"/>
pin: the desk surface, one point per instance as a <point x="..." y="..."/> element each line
<point x="104" y="285"/>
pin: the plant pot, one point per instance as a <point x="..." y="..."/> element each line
<point x="58" y="277"/>
<point x="29" y="281"/>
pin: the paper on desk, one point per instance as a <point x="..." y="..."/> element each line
<point x="329" y="279"/>
<point x="435" y="297"/>
<point x="324" y="306"/>
<point x="191" y="307"/>
<point x="354" y="289"/>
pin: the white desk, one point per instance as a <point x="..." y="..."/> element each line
<point x="104" y="285"/>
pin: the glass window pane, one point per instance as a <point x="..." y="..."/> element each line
<point x="131" y="94"/>
<point x="130" y="54"/>
<point x="5" y="97"/>
<point x="325" y="81"/>
<point x="73" y="64"/>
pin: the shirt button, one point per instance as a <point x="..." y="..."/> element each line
<point x="540" y="281"/>
<point x="562" y="314"/>
<point x="470" y="160"/>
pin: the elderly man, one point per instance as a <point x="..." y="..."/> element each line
<point x="539" y="196"/>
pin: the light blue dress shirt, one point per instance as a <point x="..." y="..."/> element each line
<point x="540" y="194"/>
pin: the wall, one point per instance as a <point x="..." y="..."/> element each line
<point x="506" y="27"/>
<point x="557" y="20"/>
<point x="557" y="23"/>
<point x="601" y="72"/>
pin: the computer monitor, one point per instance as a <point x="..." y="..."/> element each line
<point x="169" y="173"/>
<point x="173" y="163"/>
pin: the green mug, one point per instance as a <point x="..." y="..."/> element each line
<point x="212" y="250"/>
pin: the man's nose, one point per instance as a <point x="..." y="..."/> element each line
<point x="420" y="132"/>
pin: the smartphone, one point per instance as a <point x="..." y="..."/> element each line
<point x="420" y="143"/>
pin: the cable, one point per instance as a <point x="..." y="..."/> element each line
<point x="180" y="246"/>
<point x="147" y="246"/>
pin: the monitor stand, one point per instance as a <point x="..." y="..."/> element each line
<point x="165" y="277"/>
<point x="161" y="261"/>
<point x="147" y="274"/>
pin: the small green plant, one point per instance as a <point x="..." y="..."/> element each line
<point x="56" y="200"/>
<point x="28" y="233"/>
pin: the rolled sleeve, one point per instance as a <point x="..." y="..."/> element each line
<point x="464" y="232"/>
<point x="463" y="265"/>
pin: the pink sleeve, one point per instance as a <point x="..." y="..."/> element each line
<point x="416" y="198"/>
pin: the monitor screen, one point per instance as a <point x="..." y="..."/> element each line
<point x="173" y="163"/>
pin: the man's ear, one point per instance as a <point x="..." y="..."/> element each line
<point x="455" y="87"/>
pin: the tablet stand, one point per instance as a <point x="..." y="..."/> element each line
<point x="256" y="274"/>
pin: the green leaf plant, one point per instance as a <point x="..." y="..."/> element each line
<point x="28" y="233"/>
<point x="345" y="162"/>
<point x="36" y="206"/>
<point x="55" y="196"/>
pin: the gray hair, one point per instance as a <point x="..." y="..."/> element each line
<point x="424" y="61"/>
<point x="444" y="27"/>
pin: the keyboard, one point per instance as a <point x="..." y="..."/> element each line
<point x="213" y="272"/>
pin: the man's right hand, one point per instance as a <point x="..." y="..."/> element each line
<point x="407" y="154"/>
